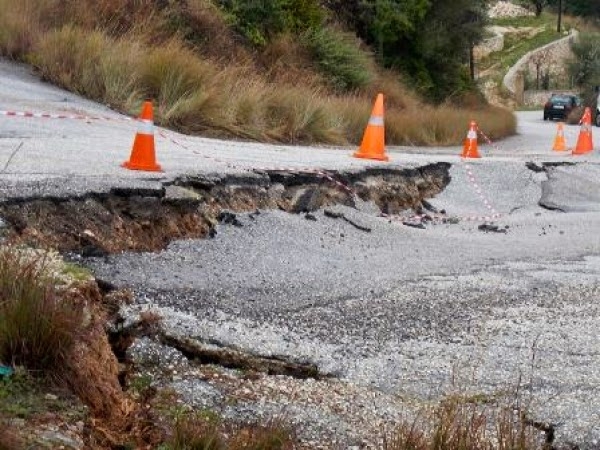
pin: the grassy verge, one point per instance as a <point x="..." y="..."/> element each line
<point x="122" y="56"/>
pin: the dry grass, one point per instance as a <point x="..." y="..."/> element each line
<point x="459" y="425"/>
<point x="38" y="328"/>
<point x="19" y="27"/>
<point x="446" y="125"/>
<point x="200" y="432"/>
<point x="9" y="439"/>
<point x="204" y="81"/>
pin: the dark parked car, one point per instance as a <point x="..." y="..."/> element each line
<point x="560" y="106"/>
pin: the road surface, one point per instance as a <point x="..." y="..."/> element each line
<point x="411" y="313"/>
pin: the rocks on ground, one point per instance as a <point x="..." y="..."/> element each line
<point x="508" y="9"/>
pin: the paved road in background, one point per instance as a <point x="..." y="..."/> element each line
<point x="411" y="312"/>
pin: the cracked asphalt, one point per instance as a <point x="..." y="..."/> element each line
<point x="414" y="313"/>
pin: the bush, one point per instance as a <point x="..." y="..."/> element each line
<point x="260" y="20"/>
<point x="339" y="58"/>
<point x="585" y="67"/>
<point x="37" y="328"/>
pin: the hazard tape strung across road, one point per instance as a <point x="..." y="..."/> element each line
<point x="318" y="172"/>
<point x="415" y="219"/>
<point x="40" y="115"/>
<point x="488" y="140"/>
<point x="161" y="133"/>
<point x="476" y="187"/>
<point x="437" y="218"/>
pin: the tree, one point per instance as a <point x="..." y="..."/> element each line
<point x="583" y="8"/>
<point x="539" y="6"/>
<point x="450" y="30"/>
<point x="428" y="40"/>
<point x="585" y="68"/>
<point x="539" y="60"/>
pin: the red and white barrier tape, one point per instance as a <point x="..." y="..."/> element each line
<point x="488" y="140"/>
<point x="436" y="218"/>
<point x="41" y="115"/>
<point x="318" y="172"/>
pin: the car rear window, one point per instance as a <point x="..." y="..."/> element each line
<point x="560" y="98"/>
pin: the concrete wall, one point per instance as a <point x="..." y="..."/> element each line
<point x="552" y="57"/>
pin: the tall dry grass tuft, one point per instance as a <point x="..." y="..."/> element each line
<point x="182" y="85"/>
<point x="289" y="63"/>
<point x="457" y="425"/>
<point x="445" y="125"/>
<point x="19" y="27"/>
<point x="71" y="58"/>
<point x="295" y="116"/>
<point x="37" y="327"/>
<point x="198" y="432"/>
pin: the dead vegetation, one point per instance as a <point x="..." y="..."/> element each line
<point x="196" y="431"/>
<point x="205" y="80"/>
<point x="456" y="424"/>
<point x="9" y="439"/>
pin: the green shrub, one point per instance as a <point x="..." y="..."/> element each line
<point x="37" y="328"/>
<point x="340" y="58"/>
<point x="259" y="20"/>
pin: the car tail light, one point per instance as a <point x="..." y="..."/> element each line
<point x="547" y="105"/>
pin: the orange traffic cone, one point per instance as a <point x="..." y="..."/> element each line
<point x="470" y="149"/>
<point x="142" y="154"/>
<point x="584" y="141"/>
<point x="373" y="142"/>
<point x="560" y="144"/>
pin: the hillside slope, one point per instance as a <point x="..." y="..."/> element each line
<point x="206" y="78"/>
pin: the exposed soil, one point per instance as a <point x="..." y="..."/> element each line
<point x="134" y="220"/>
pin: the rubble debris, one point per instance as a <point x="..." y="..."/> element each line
<point x="230" y="218"/>
<point x="420" y="225"/>
<point x="97" y="224"/>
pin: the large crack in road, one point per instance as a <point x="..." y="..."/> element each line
<point x="148" y="219"/>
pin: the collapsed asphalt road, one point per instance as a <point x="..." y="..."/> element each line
<point x="413" y="314"/>
<point x="419" y="313"/>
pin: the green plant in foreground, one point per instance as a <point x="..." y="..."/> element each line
<point x="37" y="328"/>
<point x="340" y="58"/>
